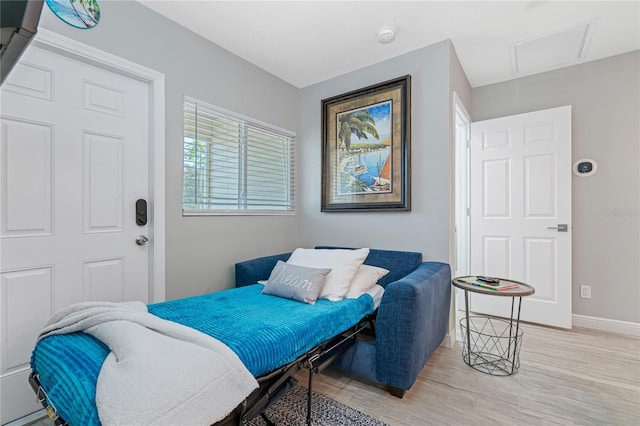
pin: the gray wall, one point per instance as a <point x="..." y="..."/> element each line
<point x="200" y="251"/>
<point x="605" y="99"/>
<point x="426" y="228"/>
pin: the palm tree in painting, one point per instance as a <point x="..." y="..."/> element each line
<point x="358" y="123"/>
<point x="351" y="185"/>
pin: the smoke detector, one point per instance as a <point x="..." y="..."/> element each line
<point x="386" y="35"/>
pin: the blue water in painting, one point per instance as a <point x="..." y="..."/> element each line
<point x="374" y="161"/>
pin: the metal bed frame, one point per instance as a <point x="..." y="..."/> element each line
<point x="272" y="386"/>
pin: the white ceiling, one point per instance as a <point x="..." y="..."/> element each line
<point x="306" y="42"/>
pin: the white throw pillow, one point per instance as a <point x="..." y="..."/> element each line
<point x="344" y="265"/>
<point x="365" y="279"/>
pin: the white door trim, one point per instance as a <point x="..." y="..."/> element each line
<point x="79" y="51"/>
<point x="460" y="161"/>
<point x="462" y="172"/>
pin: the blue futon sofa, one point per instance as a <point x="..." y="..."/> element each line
<point x="412" y="318"/>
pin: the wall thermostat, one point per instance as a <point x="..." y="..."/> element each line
<point x="585" y="167"/>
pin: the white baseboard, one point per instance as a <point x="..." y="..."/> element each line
<point x="606" y="324"/>
<point x="448" y="341"/>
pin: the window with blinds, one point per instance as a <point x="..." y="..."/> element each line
<point x="235" y="165"/>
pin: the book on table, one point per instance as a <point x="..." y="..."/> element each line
<point x="496" y="286"/>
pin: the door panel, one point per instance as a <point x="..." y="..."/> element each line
<point x="104" y="280"/>
<point x="103" y="175"/>
<point x="25" y="299"/>
<point x="27" y="165"/>
<point x="75" y="158"/>
<point x="103" y="99"/>
<point x="540" y="186"/>
<point x="540" y="267"/>
<point x="496" y="202"/>
<point x="497" y="254"/>
<point x="523" y="188"/>
<point x="30" y="79"/>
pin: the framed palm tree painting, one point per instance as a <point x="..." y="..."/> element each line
<point x="365" y="148"/>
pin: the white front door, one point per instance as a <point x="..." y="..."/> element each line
<point x="74" y="159"/>
<point x="520" y="195"/>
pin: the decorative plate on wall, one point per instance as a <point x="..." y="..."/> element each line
<point x="77" y="13"/>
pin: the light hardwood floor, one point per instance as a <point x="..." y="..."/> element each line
<point x="581" y="377"/>
<point x="576" y="377"/>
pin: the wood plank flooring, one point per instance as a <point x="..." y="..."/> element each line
<point x="576" y="377"/>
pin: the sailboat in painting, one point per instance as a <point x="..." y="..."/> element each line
<point x="383" y="181"/>
<point x="356" y="167"/>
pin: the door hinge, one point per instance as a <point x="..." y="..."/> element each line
<point x="468" y="211"/>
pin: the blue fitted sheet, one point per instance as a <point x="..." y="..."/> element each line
<point x="266" y="332"/>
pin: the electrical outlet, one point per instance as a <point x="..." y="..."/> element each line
<point x="585" y="291"/>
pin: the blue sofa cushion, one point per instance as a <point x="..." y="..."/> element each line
<point x="399" y="263"/>
<point x="250" y="271"/>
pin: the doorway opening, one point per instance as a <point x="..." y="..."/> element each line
<point x="462" y="145"/>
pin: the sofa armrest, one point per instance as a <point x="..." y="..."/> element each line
<point x="250" y="271"/>
<point x="412" y="321"/>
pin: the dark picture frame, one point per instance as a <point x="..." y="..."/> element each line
<point x="366" y="148"/>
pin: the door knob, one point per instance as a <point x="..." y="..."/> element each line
<point x="563" y="227"/>
<point x="141" y="240"/>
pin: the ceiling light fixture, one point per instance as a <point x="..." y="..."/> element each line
<point x="386" y="35"/>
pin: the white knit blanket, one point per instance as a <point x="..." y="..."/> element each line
<point x="158" y="372"/>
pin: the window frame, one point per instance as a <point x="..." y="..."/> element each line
<point x="242" y="175"/>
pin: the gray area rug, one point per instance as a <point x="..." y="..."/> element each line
<point x="291" y="410"/>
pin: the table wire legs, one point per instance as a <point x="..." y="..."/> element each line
<point x="492" y="345"/>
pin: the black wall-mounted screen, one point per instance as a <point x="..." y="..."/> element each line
<point x="585" y="167"/>
<point x="19" y="23"/>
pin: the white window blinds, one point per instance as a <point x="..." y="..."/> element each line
<point x="234" y="165"/>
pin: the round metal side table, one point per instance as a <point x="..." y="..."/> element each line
<point x="492" y="345"/>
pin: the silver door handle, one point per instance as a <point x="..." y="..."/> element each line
<point x="563" y="227"/>
<point x="141" y="240"/>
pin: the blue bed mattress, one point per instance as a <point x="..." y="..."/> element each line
<point x="266" y="332"/>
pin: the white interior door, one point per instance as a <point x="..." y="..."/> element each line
<point x="74" y="159"/>
<point x="520" y="191"/>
